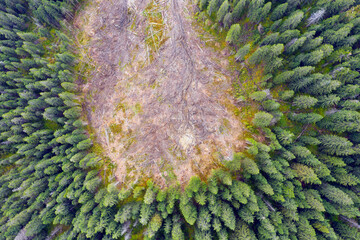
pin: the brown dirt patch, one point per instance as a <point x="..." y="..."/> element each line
<point x="159" y="101"/>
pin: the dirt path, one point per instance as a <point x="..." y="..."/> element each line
<point x="158" y="100"/>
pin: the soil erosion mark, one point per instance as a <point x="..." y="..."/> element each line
<point x="158" y="99"/>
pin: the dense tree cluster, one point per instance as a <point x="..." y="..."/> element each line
<point x="302" y="182"/>
<point x="307" y="174"/>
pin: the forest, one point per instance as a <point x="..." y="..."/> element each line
<point x="300" y="181"/>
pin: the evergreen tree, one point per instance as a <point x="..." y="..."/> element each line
<point x="306" y="174"/>
<point x="203" y="4"/>
<point x="242" y="52"/>
<point x="177" y="233"/>
<point x="262" y="119"/>
<point x="233" y="34"/>
<point x="239" y="9"/>
<point x="335" y="195"/>
<point x="279" y="12"/>
<point x="292" y="21"/>
<point x="336" y="145"/>
<point x="204" y="220"/>
<point x="228" y="216"/>
<point x="154" y="225"/>
<point x="223" y="10"/>
<point x="213" y="6"/>
<point x="303" y="102"/>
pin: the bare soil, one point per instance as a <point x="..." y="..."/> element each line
<point x="158" y="100"/>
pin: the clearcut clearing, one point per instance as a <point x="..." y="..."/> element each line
<point x="158" y="100"/>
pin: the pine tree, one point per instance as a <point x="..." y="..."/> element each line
<point x="305" y="230"/>
<point x="213" y="6"/>
<point x="193" y="185"/>
<point x="203" y="4"/>
<point x="351" y="105"/>
<point x="288" y="35"/>
<point x="262" y="184"/>
<point x="262" y="119"/>
<point x="345" y="178"/>
<point x="341" y="121"/>
<point x="267" y="54"/>
<point x="314" y="57"/>
<point x="348" y="91"/>
<point x="201" y="195"/>
<point x="284" y="77"/>
<point x="242" y="52"/>
<point x="323" y="86"/>
<point x="334" y="194"/>
<point x="306" y="174"/>
<point x="224" y="176"/>
<point x="254" y="10"/>
<point x="250" y="166"/>
<point x="333" y="37"/>
<point x="240" y="191"/>
<point x="311" y="44"/>
<point x="258" y="96"/>
<point x="154" y="225"/>
<point x="72" y="113"/>
<point x="306" y="118"/>
<point x="228" y="20"/>
<point x="177" y="233"/>
<point x="285" y="137"/>
<point x="270" y="39"/>
<point x="270" y="105"/>
<point x="228" y="216"/>
<point x="204" y="220"/>
<point x="303" y="102"/>
<point x="85" y="144"/>
<point x="111" y="198"/>
<point x="346" y="231"/>
<point x="189" y="211"/>
<point x="146" y="213"/>
<point x="279" y="12"/>
<point x="294" y="45"/>
<point x="234" y="34"/>
<point x="336" y="145"/>
<point x="239" y="9"/>
<point x="223" y="10"/>
<point x="292" y="21"/>
<point x="235" y="163"/>
<point x="34" y="227"/>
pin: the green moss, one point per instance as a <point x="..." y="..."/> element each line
<point x="116" y="128"/>
<point x="138" y="108"/>
<point x="120" y="107"/>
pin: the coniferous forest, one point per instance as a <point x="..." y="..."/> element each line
<point x="300" y="181"/>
